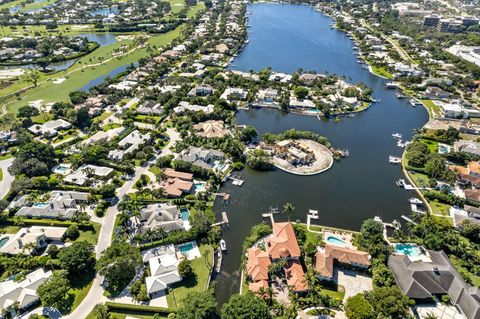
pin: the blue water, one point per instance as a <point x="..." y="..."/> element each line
<point x="199" y="187"/>
<point x="185" y="248"/>
<point x="104" y="38"/>
<point x="185" y="213"/>
<point x="287" y="37"/>
<point x="3" y="241"/>
<point x="100" y="79"/>
<point x="335" y="241"/>
<point x="411" y="250"/>
<point x="40" y="205"/>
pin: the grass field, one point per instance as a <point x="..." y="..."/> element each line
<point x="381" y="71"/>
<point x="433" y="110"/>
<point x="202" y="268"/>
<point x="49" y="92"/>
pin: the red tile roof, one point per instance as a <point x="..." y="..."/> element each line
<point x="284" y="242"/>
<point x="324" y="260"/>
<point x="295" y="276"/>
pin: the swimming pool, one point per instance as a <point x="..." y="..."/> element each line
<point x="411" y="250"/>
<point x="185" y="213"/>
<point x="199" y="187"/>
<point x="187" y="247"/>
<point x="335" y="241"/>
<point x="3" y="241"/>
<point x="40" y="205"/>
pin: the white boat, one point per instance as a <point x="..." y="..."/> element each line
<point x="397" y="136"/>
<point x="391" y="85"/>
<point x="415" y="200"/>
<point x="223" y="245"/>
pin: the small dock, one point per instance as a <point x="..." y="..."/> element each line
<point x="405" y="185"/>
<point x="218" y="264"/>
<point x="394" y="159"/>
<point x="270" y="214"/>
<point x="224" y="220"/>
<point x="225" y="197"/>
<point x="409" y="220"/>
<point x="236" y="181"/>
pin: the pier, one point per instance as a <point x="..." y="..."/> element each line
<point x="394" y="159"/>
<point x="224" y="220"/>
<point x="225" y="197"/>
<point x="409" y="220"/>
<point x="236" y="181"/>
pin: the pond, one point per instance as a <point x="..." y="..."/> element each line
<point x="288" y="37"/>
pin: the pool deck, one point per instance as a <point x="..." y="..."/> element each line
<point x="346" y="237"/>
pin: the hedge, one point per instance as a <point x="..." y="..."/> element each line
<point x="51" y="222"/>
<point x="174" y="238"/>
<point x="114" y="306"/>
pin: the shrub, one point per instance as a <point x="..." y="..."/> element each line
<point x="72" y="232"/>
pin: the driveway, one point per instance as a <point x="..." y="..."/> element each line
<point x="174" y="137"/>
<point x="354" y="282"/>
<point x="7" y="177"/>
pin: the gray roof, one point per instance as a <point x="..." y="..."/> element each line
<point x="421" y="280"/>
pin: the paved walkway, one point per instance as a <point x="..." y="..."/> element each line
<point x="7" y="179"/>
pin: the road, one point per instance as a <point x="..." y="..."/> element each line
<point x="95" y="293"/>
<point x="7" y="177"/>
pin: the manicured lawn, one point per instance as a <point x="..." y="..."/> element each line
<point x="193" y="10"/>
<point x="433" y="109"/>
<point x="102" y="116"/>
<point x="50" y="92"/>
<point x="80" y="289"/>
<point x="6" y="156"/>
<point x="432" y="145"/>
<point x="42" y="118"/>
<point x="421" y="180"/>
<point x="440" y="208"/>
<point x="333" y="293"/>
<point x="202" y="267"/>
<point x="1" y="174"/>
<point x="90" y="236"/>
<point x="155" y="170"/>
<point x="381" y="71"/>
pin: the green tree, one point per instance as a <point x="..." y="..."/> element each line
<point x="185" y="269"/>
<point x="54" y="291"/>
<point x="389" y="302"/>
<point x="198" y="305"/>
<point x="246" y="306"/>
<point x="289" y="209"/>
<point x="101" y="312"/>
<point x="118" y="264"/>
<point x="357" y="307"/>
<point x="77" y="258"/>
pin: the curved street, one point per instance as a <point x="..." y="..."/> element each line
<point x="7" y="179"/>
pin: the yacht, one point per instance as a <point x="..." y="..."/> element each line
<point x="223" y="245"/>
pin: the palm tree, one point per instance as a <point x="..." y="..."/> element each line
<point x="288" y="208"/>
<point x="430" y="315"/>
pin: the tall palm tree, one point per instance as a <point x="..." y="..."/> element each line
<point x="288" y="208"/>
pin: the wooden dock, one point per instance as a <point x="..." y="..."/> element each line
<point x="409" y="220"/>
<point x="224" y="220"/>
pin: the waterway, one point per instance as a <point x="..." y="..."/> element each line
<point x="288" y="37"/>
<point x="103" y="39"/>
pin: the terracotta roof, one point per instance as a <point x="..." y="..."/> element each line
<point x="472" y="167"/>
<point x="257" y="264"/>
<point x="255" y="286"/>
<point x="175" y="187"/>
<point x="458" y="169"/>
<point x="473" y="194"/>
<point x="324" y="260"/>
<point x="284" y="242"/>
<point x="171" y="173"/>
<point x="295" y="275"/>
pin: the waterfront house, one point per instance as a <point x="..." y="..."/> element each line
<point x="301" y="104"/>
<point x="231" y="94"/>
<point x="104" y="136"/>
<point x="61" y="205"/>
<point x="424" y="280"/>
<point x="176" y="184"/>
<point x="204" y="158"/>
<point x="268" y="95"/>
<point x="24" y="292"/>
<point x="33" y="239"/>
<point x="160" y="215"/>
<point x="210" y="129"/>
<point x="465" y="146"/>
<point x="163" y="271"/>
<point x="469" y="213"/>
<point x="327" y="256"/>
<point x="281" y="245"/>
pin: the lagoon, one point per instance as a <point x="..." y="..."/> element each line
<point x="288" y="37"/>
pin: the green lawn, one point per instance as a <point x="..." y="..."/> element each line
<point x="102" y="117"/>
<point x="1" y="175"/>
<point x="50" y="92"/>
<point x="42" y="118"/>
<point x="432" y="145"/>
<point x="6" y="156"/>
<point x="80" y="289"/>
<point x="202" y="268"/>
<point x="440" y="208"/>
<point x="155" y="170"/>
<point x="381" y="71"/>
<point x="433" y="109"/>
<point x="337" y="294"/>
<point x="9" y="229"/>
<point x="90" y="236"/>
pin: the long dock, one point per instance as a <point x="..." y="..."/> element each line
<point x="409" y="220"/>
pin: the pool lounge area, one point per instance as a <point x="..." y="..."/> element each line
<point x="335" y="241"/>
<point x="338" y="238"/>
<point x="185" y="214"/>
<point x="413" y="251"/>
<point x="189" y="250"/>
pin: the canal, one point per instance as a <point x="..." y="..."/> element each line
<point x="288" y="37"/>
